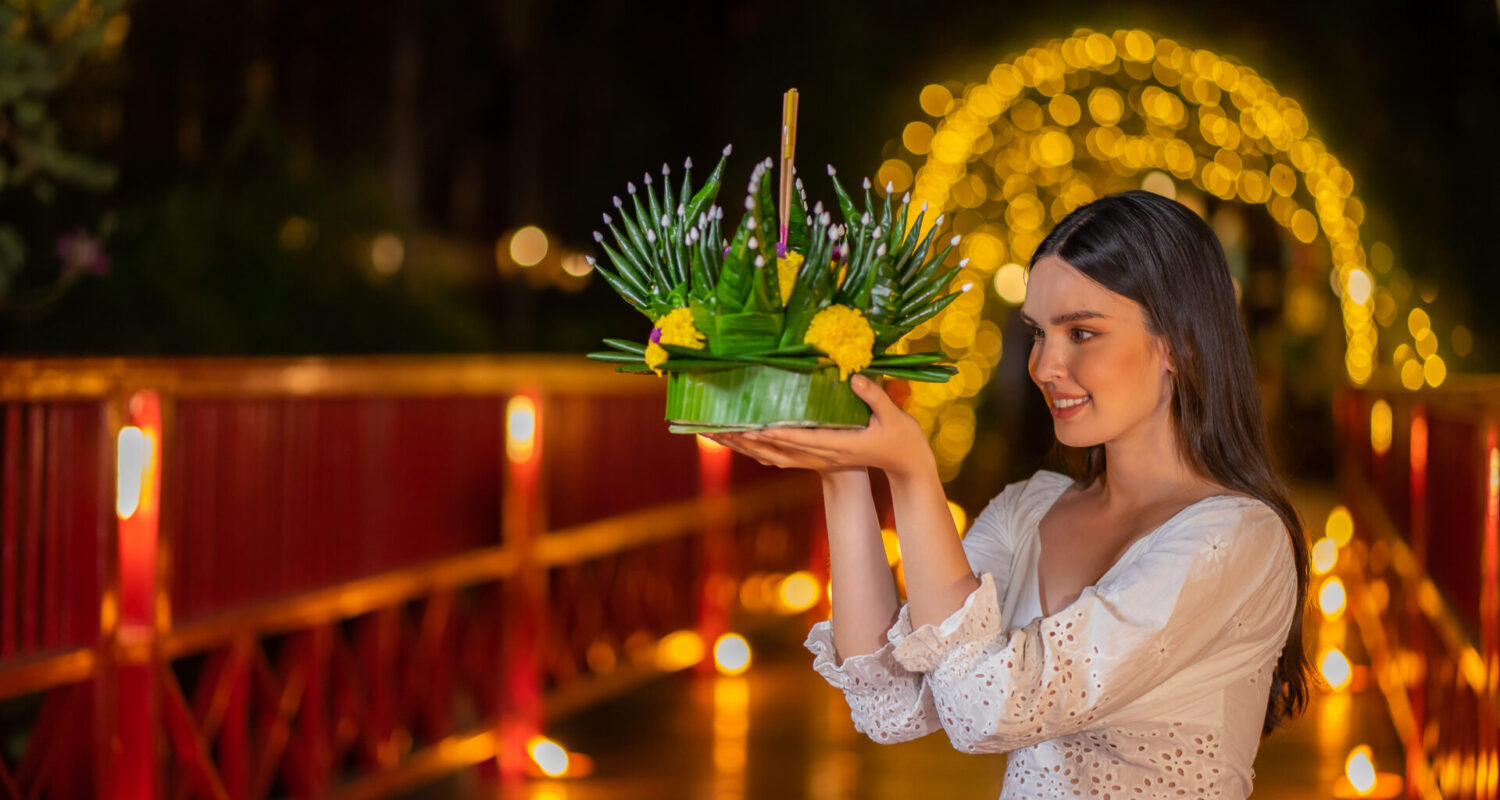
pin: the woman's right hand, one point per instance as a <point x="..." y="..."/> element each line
<point x="892" y="441"/>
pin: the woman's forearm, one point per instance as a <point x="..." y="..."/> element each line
<point x="938" y="575"/>
<point x="864" y="594"/>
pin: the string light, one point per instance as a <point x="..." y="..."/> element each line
<point x="1073" y="119"/>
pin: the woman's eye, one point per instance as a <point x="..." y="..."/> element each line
<point x="1083" y="334"/>
<point x="1036" y="333"/>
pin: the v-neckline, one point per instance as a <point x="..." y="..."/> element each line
<point x="1036" y="578"/>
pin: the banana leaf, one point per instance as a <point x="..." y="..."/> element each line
<point x="615" y="358"/>
<point x="918" y="317"/>
<point x="930" y="375"/>
<point x="733" y="289"/>
<point x="846" y="204"/>
<point x="747" y="332"/>
<point x="923" y="295"/>
<point x="705" y="196"/>
<point x="757" y="396"/>
<point x="626" y="346"/>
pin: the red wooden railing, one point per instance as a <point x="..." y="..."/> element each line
<point x="253" y="578"/>
<point x="1421" y="472"/>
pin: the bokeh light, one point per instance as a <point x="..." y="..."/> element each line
<point x="528" y="246"/>
<point x="731" y="654"/>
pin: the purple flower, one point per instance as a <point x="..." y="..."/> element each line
<point x="82" y="253"/>
<point x="656" y="335"/>
<point x="781" y="249"/>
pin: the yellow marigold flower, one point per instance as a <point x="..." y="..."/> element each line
<point x="655" y="355"/>
<point x="676" y="328"/>
<point x="786" y="273"/>
<point x="845" y="335"/>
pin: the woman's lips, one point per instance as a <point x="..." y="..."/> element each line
<point x="1068" y="407"/>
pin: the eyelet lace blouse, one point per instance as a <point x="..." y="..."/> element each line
<point x="1153" y="683"/>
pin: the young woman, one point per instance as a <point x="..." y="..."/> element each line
<point x="1130" y="629"/>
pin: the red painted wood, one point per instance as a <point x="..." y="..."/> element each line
<point x="50" y="596"/>
<point x="31" y="526"/>
<point x="10" y="544"/>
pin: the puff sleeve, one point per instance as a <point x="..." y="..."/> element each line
<point x="1201" y="575"/>
<point x="888" y="701"/>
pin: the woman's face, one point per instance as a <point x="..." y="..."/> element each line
<point x="1103" y="372"/>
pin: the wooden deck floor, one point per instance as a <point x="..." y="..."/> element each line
<point x="780" y="733"/>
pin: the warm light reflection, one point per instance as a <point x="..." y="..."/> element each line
<point x="549" y="756"/>
<point x="708" y="445"/>
<point x="1332" y="599"/>
<point x="1380" y="427"/>
<point x="798" y="592"/>
<point x="1340" y="526"/>
<point x="731" y="654"/>
<point x="679" y="650"/>
<point x="1359" y="768"/>
<point x="1325" y="556"/>
<point x="1336" y="669"/>
<point x="731" y="736"/>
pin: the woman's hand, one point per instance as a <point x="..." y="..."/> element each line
<point x="893" y="441"/>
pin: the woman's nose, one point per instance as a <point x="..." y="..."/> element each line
<point x="1047" y="363"/>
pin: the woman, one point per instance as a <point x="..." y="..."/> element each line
<point x="1128" y="630"/>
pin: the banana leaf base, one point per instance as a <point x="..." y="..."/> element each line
<point x="759" y="396"/>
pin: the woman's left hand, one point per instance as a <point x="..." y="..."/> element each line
<point x="892" y="442"/>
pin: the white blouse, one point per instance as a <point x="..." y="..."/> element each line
<point x="1153" y="683"/>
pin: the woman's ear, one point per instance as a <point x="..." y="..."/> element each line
<point x="1164" y="349"/>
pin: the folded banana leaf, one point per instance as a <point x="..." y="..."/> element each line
<point x="756" y="396"/>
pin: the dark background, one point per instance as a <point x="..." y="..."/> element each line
<point x="451" y="123"/>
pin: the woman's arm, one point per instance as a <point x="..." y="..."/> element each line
<point x="938" y="576"/>
<point x="864" y="594"/>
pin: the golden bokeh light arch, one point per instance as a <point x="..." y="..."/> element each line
<point x="1073" y="119"/>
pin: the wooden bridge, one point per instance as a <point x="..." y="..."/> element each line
<point x="395" y="576"/>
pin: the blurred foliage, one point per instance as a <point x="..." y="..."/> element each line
<point x="253" y="255"/>
<point x="42" y="44"/>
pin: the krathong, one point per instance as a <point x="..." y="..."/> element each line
<point x="760" y="329"/>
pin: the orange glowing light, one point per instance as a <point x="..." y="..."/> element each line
<point x="708" y="445"/>
<point x="798" y="592"/>
<point x="520" y="428"/>
<point x="679" y="650"/>
<point x="133" y="455"/>
<point x="1336" y="669"/>
<point x="1361" y="779"/>
<point x="1340" y="526"/>
<point x="731" y="654"/>
<point x="549" y="756"/>
<point x="1419" y="443"/>
<point x="892" y="546"/>
<point x="960" y="517"/>
<point x="1325" y="556"/>
<point x="1332" y="598"/>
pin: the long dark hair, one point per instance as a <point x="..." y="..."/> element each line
<point x="1160" y="254"/>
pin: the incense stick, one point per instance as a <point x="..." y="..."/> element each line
<point x="788" y="149"/>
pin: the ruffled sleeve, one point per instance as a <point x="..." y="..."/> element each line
<point x="1203" y="571"/>
<point x="887" y="701"/>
